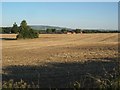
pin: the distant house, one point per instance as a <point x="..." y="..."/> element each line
<point x="68" y="33"/>
<point x="71" y="32"/>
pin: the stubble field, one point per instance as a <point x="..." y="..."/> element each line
<point x="56" y="60"/>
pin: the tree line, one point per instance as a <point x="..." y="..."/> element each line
<point x="22" y="31"/>
<point x="17" y="29"/>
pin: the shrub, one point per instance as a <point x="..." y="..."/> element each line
<point x="11" y="84"/>
<point x="64" y="30"/>
<point x="77" y="30"/>
<point x="110" y="80"/>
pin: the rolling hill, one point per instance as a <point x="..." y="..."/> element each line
<point x="43" y="27"/>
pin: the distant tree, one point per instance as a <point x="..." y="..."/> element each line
<point x="63" y="30"/>
<point x="41" y="31"/>
<point x="53" y="30"/>
<point x="15" y="28"/>
<point x="6" y="30"/>
<point x="49" y="30"/>
<point x="78" y="30"/>
<point x="0" y="30"/>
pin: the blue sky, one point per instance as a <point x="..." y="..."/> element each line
<point x="99" y="15"/>
<point x="60" y="0"/>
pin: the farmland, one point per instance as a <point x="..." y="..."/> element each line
<point x="55" y="60"/>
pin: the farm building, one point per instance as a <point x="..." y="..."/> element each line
<point x="71" y="32"/>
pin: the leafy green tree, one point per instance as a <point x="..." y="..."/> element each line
<point x="26" y="31"/>
<point x="53" y="30"/>
<point x="63" y="30"/>
<point x="78" y="30"/>
<point x="23" y="24"/>
<point x="1" y="30"/>
<point x="49" y="30"/>
<point x="6" y="30"/>
<point x="15" y="28"/>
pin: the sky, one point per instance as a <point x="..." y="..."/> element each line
<point x="60" y="0"/>
<point x="84" y="15"/>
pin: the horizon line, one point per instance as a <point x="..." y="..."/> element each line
<point x="64" y="27"/>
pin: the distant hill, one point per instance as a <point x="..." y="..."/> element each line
<point x="43" y="27"/>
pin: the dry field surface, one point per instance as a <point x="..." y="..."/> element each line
<point x="55" y="60"/>
<point x="8" y="35"/>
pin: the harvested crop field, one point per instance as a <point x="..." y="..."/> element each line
<point x="56" y="60"/>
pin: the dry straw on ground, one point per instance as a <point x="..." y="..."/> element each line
<point x="58" y="58"/>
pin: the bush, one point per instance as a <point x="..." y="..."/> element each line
<point x="64" y="30"/>
<point x="11" y="84"/>
<point x="77" y="30"/>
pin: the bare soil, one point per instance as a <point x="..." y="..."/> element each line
<point x="55" y="60"/>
